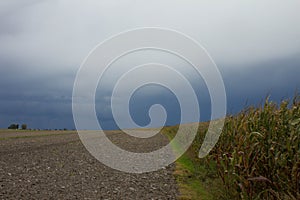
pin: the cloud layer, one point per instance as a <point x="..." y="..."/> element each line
<point x="256" y="45"/>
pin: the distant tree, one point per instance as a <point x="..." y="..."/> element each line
<point x="24" y="126"/>
<point x="14" y="126"/>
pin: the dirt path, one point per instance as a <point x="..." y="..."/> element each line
<point x="59" y="167"/>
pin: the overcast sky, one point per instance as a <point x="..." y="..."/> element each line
<point x="255" y="44"/>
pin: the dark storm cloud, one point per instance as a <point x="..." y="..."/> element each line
<point x="255" y="44"/>
<point x="39" y="99"/>
<point x="278" y="78"/>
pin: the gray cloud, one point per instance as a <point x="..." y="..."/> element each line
<point x="42" y="44"/>
<point x="61" y="33"/>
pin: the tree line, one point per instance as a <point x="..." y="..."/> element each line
<point x="16" y="126"/>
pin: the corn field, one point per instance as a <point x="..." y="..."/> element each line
<point x="257" y="155"/>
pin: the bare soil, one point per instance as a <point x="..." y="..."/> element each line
<point x="55" y="165"/>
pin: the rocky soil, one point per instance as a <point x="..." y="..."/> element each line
<point x="55" y="165"/>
